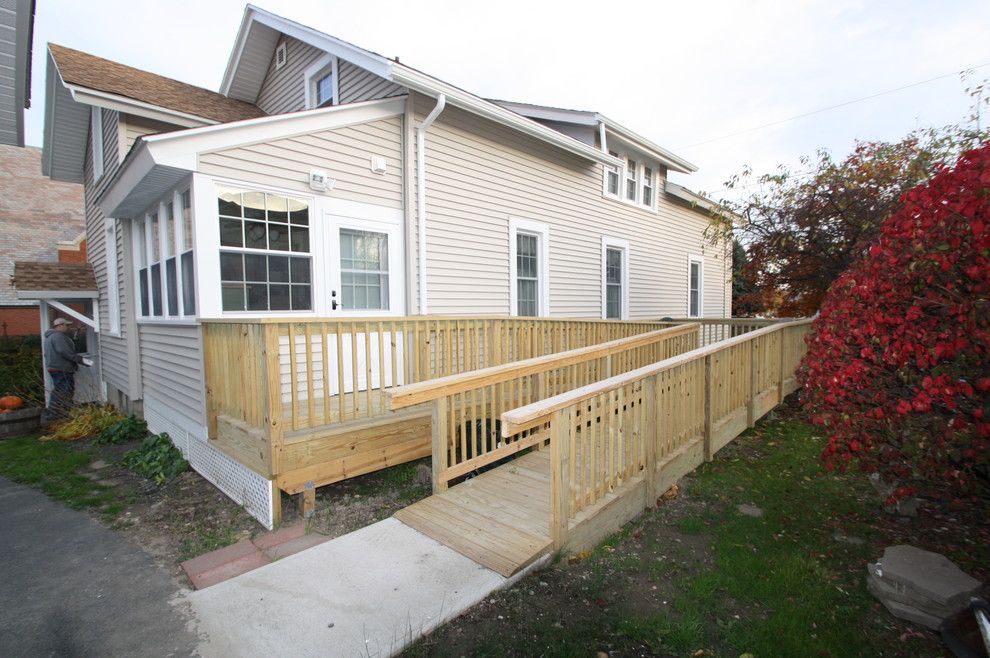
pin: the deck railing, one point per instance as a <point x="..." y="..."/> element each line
<point x="656" y="423"/>
<point x="714" y="330"/>
<point x="286" y="375"/>
<point x="466" y="406"/>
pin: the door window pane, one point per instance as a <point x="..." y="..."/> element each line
<point x="364" y="270"/>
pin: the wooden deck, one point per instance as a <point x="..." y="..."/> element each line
<point x="500" y="519"/>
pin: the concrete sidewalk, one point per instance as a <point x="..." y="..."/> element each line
<point x="368" y="593"/>
<point x="72" y="587"/>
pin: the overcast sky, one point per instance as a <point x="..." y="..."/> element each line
<point x="678" y="73"/>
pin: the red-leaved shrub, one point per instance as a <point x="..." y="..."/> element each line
<point x="897" y="369"/>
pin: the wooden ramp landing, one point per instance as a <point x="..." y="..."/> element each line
<point x="500" y="519"/>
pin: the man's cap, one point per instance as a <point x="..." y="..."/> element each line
<point x="61" y="321"/>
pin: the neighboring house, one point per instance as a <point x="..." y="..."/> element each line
<point x="40" y="220"/>
<point x="16" y="33"/>
<point x="327" y="181"/>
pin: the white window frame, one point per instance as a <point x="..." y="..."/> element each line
<point x="619" y="175"/>
<point x="639" y="176"/>
<point x="623" y="245"/>
<point x="113" y="287"/>
<point x="96" y="134"/>
<point x="542" y="232"/>
<point x="692" y="259"/>
<point x="650" y="183"/>
<point x="177" y="250"/>
<point x="633" y="177"/>
<point x="325" y="64"/>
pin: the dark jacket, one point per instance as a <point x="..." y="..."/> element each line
<point x="60" y="352"/>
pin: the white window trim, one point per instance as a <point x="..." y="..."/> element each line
<point x="641" y="164"/>
<point x="618" y="171"/>
<point x="616" y="243"/>
<point x="542" y="231"/>
<point x="96" y="133"/>
<point x="113" y="287"/>
<point x="175" y="198"/>
<point x="693" y="258"/>
<point x="313" y="72"/>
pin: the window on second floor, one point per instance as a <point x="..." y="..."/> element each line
<point x="632" y="169"/>
<point x="636" y="178"/>
<point x="321" y="83"/>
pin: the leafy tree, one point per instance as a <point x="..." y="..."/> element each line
<point x="803" y="229"/>
<point x="898" y="364"/>
<point x="745" y="298"/>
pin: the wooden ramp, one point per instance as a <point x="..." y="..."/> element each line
<point x="500" y="519"/>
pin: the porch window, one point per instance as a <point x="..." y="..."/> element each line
<point x="265" y="262"/>
<point x="695" y="285"/>
<point x="171" y="269"/>
<point x="364" y="270"/>
<point x="186" y="260"/>
<point x="163" y="259"/>
<point x="141" y="263"/>
<point x="156" y="266"/>
<point x="529" y="268"/>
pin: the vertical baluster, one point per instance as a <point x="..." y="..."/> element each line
<point x="310" y="395"/>
<point x="293" y="376"/>
<point x="340" y="370"/>
<point x="325" y="355"/>
<point x="355" y="392"/>
<point x="367" y="369"/>
<point x="382" y="401"/>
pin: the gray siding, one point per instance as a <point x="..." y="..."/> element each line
<point x="172" y="368"/>
<point x="113" y="350"/>
<point x="283" y="90"/>
<point x="133" y="127"/>
<point x="344" y="152"/>
<point x="480" y="174"/>
<point x="356" y="84"/>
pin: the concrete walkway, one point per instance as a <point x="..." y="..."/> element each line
<point x="71" y="587"/>
<point x="368" y="593"/>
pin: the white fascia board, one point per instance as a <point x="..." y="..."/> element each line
<point x="135" y="167"/>
<point x="430" y="86"/>
<point x="575" y="117"/>
<point x="640" y="143"/>
<point x="130" y="106"/>
<point x="365" y="59"/>
<point x="67" y="295"/>
<point x="46" y="144"/>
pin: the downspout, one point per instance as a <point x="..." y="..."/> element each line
<point x="601" y="136"/>
<point x="421" y="196"/>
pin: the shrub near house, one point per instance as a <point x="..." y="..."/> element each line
<point x="898" y="369"/>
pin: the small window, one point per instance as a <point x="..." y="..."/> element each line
<point x="96" y="135"/>
<point x="113" y="286"/>
<point x="648" y="186"/>
<point x="615" y="277"/>
<point x="529" y="268"/>
<point x="280" y="56"/>
<point x="631" y="182"/>
<point x="321" y="83"/>
<point x="612" y="174"/>
<point x="324" y="90"/>
<point x="695" y="286"/>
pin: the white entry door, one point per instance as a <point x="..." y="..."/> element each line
<point x="366" y="273"/>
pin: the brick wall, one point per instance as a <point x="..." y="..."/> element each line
<point x="35" y="215"/>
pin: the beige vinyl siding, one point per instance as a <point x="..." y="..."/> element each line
<point x="284" y="89"/>
<point x="344" y="153"/>
<point x="133" y="127"/>
<point x="114" y="360"/>
<point x="356" y="84"/>
<point x="172" y="368"/>
<point x="480" y="174"/>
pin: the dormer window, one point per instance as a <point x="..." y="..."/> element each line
<point x="647" y="199"/>
<point x="321" y="83"/>
<point x="612" y="184"/>
<point x="635" y="182"/>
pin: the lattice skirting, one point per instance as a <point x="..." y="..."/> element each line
<point x="244" y="486"/>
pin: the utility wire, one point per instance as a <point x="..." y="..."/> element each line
<point x="832" y="107"/>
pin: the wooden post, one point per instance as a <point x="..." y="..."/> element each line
<point x="651" y="435"/>
<point x="307" y="500"/>
<point x="271" y="394"/>
<point x="210" y="346"/>
<point x="780" y="375"/>
<point x="753" y="385"/>
<point x="708" y="408"/>
<point x="441" y="456"/>
<point x="560" y="490"/>
<point x="276" y="505"/>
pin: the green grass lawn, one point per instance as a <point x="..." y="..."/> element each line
<point x="54" y="468"/>
<point x="696" y="575"/>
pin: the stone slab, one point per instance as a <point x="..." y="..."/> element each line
<point x="929" y="574"/>
<point x="886" y="590"/>
<point x="291" y="547"/>
<point x="228" y="570"/>
<point x="284" y="534"/>
<point x="908" y="613"/>
<point x="219" y="557"/>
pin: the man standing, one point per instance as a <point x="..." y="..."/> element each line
<point x="61" y="361"/>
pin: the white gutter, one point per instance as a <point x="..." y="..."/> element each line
<point x="421" y="195"/>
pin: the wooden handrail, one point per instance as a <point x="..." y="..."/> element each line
<point x="303" y="319"/>
<point x="532" y="415"/>
<point x="411" y="394"/>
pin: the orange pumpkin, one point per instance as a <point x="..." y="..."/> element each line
<point x="11" y="402"/>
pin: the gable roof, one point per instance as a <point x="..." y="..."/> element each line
<point x="85" y="70"/>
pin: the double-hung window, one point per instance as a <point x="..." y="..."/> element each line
<point x="612" y="177"/>
<point x="696" y="282"/>
<point x="615" y="279"/>
<point x="265" y="262"/>
<point x="632" y="170"/>
<point x="647" y="199"/>
<point x="186" y="259"/>
<point x="529" y="269"/>
<point x="156" y="265"/>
